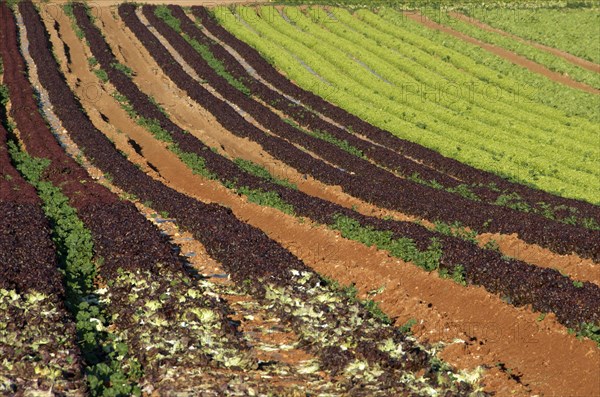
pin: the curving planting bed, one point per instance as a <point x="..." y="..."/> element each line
<point x="355" y="125"/>
<point x="399" y="365"/>
<point x="546" y="289"/>
<point x="368" y="182"/>
<point x="27" y="254"/>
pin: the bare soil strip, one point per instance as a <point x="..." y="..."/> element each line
<point x="258" y="77"/>
<point x="257" y="324"/>
<point x="492" y="332"/>
<point x="584" y="63"/>
<point x="572" y="265"/>
<point x="508" y="55"/>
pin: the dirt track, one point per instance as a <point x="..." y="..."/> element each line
<point x="584" y="63"/>
<point x="533" y="350"/>
<point x="508" y="55"/>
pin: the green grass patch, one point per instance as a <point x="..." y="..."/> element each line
<point x="196" y="163"/>
<point x="406" y="328"/>
<point x="591" y="331"/>
<point x="456" y="229"/>
<point x="125" y="105"/>
<point x="164" y="13"/>
<point x="155" y="103"/>
<point x="403" y="248"/>
<point x="457" y="274"/>
<point x="464" y="191"/>
<point x="216" y="64"/>
<point x="266" y="198"/>
<point x="327" y="137"/>
<point x="68" y="10"/>
<point x="4" y="95"/>
<point x="123" y="68"/>
<point x="350" y="292"/>
<point x="101" y="74"/>
<point x="153" y="126"/>
<point x="261" y="172"/>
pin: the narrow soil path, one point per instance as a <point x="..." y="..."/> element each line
<point x="501" y="52"/>
<point x="571" y="265"/>
<point x="491" y="331"/>
<point x="192" y="73"/>
<point x="575" y="60"/>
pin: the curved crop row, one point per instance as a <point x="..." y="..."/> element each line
<point x="457" y="121"/>
<point x="305" y="117"/>
<point x="424" y="155"/>
<point x="78" y="198"/>
<point x="471" y="58"/>
<point x="423" y="121"/>
<point x="326" y="213"/>
<point x="149" y="322"/>
<point x="485" y="66"/>
<point x="75" y="244"/>
<point x="535" y="134"/>
<point x="495" y="197"/>
<point x="525" y="112"/>
<point x="299" y="113"/>
<point x="254" y="257"/>
<point x="379" y="154"/>
<point x="475" y="262"/>
<point x="374" y="186"/>
<point x="545" y="26"/>
<point x="510" y="100"/>
<point x="27" y="253"/>
<point x="330" y="357"/>
<point x="38" y="339"/>
<point x="163" y="324"/>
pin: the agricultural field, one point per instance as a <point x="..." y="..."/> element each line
<point x="544" y="26"/>
<point x="299" y="198"/>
